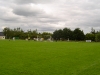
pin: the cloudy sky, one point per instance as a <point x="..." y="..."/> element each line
<point x="49" y="15"/>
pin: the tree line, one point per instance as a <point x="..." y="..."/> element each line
<point x="18" y="33"/>
<point x="68" y="34"/>
<point x="76" y="35"/>
<point x="61" y="34"/>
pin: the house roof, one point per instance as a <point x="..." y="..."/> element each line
<point x="1" y="34"/>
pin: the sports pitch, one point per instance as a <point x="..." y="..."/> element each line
<point x="49" y="58"/>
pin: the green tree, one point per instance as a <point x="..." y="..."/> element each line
<point x="78" y="34"/>
<point x="93" y="31"/>
<point x="7" y="32"/>
<point x="57" y="34"/>
<point x="67" y="34"/>
<point x="97" y="37"/>
<point x="90" y="36"/>
<point x="46" y="35"/>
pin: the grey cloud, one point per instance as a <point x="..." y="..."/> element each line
<point x="64" y="13"/>
<point x="7" y="15"/>
<point x="90" y="5"/>
<point x="42" y="27"/>
<point x="51" y="20"/>
<point x="30" y="11"/>
<point x="27" y="11"/>
<point x="33" y="1"/>
<point x="35" y="13"/>
<point x="94" y="1"/>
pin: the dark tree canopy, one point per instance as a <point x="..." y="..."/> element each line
<point x="78" y="34"/>
<point x="67" y="33"/>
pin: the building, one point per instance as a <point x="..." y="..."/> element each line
<point x="2" y="36"/>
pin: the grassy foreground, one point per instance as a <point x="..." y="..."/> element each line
<point x="49" y="58"/>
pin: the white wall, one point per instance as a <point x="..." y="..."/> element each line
<point x="2" y="37"/>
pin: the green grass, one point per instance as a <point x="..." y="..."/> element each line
<point x="49" y="58"/>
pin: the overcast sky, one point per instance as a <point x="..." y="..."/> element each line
<point x="49" y="15"/>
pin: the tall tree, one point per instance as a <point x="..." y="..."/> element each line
<point x="93" y="31"/>
<point x="78" y="34"/>
<point x="97" y="37"/>
<point x="7" y="32"/>
<point x="57" y="34"/>
<point x="67" y="34"/>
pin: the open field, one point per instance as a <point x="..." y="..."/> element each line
<point x="49" y="58"/>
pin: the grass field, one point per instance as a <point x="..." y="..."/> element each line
<point x="49" y="58"/>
